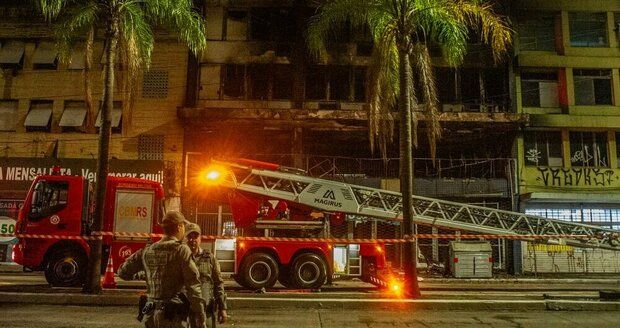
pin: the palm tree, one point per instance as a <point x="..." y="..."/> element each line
<point x="127" y="27"/>
<point x="402" y="31"/>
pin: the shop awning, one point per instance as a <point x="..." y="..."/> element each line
<point x="11" y="52"/>
<point x="74" y="114"/>
<point x="117" y="113"/>
<point x="38" y="117"/>
<point x="8" y="115"/>
<point x="45" y="54"/>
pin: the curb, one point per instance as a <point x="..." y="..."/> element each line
<point x="257" y="302"/>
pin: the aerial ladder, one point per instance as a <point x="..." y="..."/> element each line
<point x="293" y="185"/>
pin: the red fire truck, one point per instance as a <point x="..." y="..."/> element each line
<point x="308" y="261"/>
<point x="61" y="205"/>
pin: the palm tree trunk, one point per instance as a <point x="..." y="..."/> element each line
<point x="406" y="173"/>
<point x="93" y="282"/>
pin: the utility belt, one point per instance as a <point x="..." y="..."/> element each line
<point x="171" y="309"/>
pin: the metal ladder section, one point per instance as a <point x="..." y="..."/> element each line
<point x="333" y="196"/>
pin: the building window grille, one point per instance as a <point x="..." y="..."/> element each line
<point x="151" y="147"/>
<point x="155" y="84"/>
<point x="539" y="89"/>
<point x="536" y="32"/>
<point x="592" y="87"/>
<point x="543" y="148"/>
<point x="588" y="29"/>
<point x="39" y="116"/>
<point x="604" y="215"/>
<point x="8" y="115"/>
<point x="236" y="25"/>
<point x="588" y="149"/>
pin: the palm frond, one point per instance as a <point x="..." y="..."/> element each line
<point x="52" y="8"/>
<point x="492" y="27"/>
<point x="382" y="91"/>
<point x="179" y="17"/>
<point x="424" y="69"/>
<point x="335" y="15"/>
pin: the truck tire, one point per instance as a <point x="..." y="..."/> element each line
<point x="65" y="268"/>
<point x="259" y="270"/>
<point x="309" y="271"/>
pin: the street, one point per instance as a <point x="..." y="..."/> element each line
<point x="46" y="316"/>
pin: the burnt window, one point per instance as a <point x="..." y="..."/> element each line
<point x="316" y="83"/>
<point x="258" y="76"/>
<point x="272" y="24"/>
<point x="592" y="87"/>
<point x="446" y="78"/>
<point x="539" y="89"/>
<point x="282" y="81"/>
<point x="588" y="149"/>
<point x="233" y="84"/>
<point x="236" y="25"/>
<point x="339" y="82"/>
<point x="543" y="148"/>
<point x="360" y="83"/>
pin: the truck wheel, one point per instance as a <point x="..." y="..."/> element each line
<point x="309" y="272"/>
<point x="259" y="270"/>
<point x="65" y="268"/>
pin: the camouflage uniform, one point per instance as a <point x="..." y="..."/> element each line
<point x="212" y="284"/>
<point x="169" y="269"/>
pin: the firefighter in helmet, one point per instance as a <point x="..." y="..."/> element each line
<point x="212" y="284"/>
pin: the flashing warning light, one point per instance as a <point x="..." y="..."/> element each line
<point x="213" y="175"/>
<point x="241" y="245"/>
<point x="396" y="287"/>
<point x="379" y="248"/>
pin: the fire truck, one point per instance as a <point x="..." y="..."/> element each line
<point x="286" y="199"/>
<point x="61" y="207"/>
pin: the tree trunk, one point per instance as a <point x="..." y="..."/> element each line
<point x="93" y="282"/>
<point x="406" y="173"/>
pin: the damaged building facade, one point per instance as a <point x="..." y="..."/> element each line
<point x="258" y="92"/>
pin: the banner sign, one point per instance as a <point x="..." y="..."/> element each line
<point x="17" y="173"/>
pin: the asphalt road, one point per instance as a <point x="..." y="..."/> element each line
<point x="45" y="316"/>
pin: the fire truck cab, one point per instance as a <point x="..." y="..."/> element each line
<point x="60" y="208"/>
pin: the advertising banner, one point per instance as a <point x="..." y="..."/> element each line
<point x="17" y="173"/>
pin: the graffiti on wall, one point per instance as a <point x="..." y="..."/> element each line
<point x="583" y="176"/>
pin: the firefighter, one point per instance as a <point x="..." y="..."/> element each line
<point x="168" y="268"/>
<point x="210" y="276"/>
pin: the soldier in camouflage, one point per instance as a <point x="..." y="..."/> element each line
<point x="210" y="276"/>
<point x="169" y="269"/>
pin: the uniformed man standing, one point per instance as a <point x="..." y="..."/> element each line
<point x="212" y="284"/>
<point x="169" y="269"/>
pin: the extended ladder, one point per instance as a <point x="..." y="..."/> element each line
<point x="334" y="196"/>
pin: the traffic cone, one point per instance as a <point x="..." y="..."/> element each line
<point x="108" y="278"/>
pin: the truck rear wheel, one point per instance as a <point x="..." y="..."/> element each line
<point x="308" y="272"/>
<point x="259" y="270"/>
<point x="65" y="268"/>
